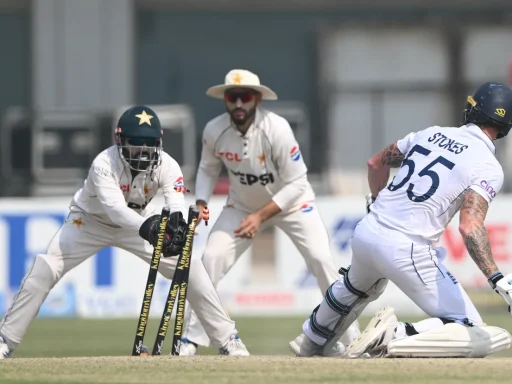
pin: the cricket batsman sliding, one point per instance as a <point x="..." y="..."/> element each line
<point x="112" y="209"/>
<point x="268" y="187"/>
<point x="442" y="171"/>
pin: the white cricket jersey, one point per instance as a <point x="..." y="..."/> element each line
<point x="440" y="164"/>
<point x="115" y="198"/>
<point x="264" y="164"/>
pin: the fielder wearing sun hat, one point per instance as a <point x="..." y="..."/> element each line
<point x="268" y="186"/>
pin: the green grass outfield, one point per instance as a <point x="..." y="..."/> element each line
<point x="97" y="351"/>
<point x="80" y="337"/>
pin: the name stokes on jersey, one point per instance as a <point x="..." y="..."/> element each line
<point x="445" y="142"/>
<point x="250" y="179"/>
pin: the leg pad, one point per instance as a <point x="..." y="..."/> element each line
<point x="364" y="298"/>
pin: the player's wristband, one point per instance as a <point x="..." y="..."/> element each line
<point x="494" y="279"/>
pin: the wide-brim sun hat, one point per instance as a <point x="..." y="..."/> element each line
<point x="241" y="78"/>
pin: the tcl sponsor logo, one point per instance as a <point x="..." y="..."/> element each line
<point x="488" y="188"/>
<point x="125" y="188"/>
<point x="278" y="299"/>
<point x="249" y="179"/>
<point x="230" y="156"/>
<point x="498" y="237"/>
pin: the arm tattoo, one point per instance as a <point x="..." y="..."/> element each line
<point x="392" y="156"/>
<point x="479" y="248"/>
<point x="474" y="205"/>
<point x="476" y="239"/>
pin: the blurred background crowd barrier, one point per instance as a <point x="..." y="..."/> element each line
<point x="352" y="76"/>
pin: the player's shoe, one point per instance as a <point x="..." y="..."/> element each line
<point x="303" y="346"/>
<point x="351" y="334"/>
<point x="234" y="347"/>
<point x="5" y="352"/>
<point x="375" y="338"/>
<point x="187" y="348"/>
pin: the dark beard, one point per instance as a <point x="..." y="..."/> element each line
<point x="241" y="121"/>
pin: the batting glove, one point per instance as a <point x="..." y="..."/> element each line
<point x="369" y="201"/>
<point x="206" y="215"/>
<point x="502" y="285"/>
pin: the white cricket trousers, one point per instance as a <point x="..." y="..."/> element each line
<point x="80" y="237"/>
<point x="306" y="230"/>
<point x="412" y="265"/>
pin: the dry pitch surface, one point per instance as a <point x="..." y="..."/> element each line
<point x="256" y="369"/>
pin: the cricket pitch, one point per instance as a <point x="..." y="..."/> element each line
<point x="254" y="369"/>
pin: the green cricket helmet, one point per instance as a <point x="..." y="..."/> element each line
<point x="139" y="138"/>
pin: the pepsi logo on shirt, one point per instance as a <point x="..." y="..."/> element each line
<point x="295" y="153"/>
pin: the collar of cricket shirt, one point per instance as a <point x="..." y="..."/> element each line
<point x="475" y="130"/>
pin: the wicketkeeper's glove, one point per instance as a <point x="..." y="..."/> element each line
<point x="177" y="230"/>
<point x="175" y="233"/>
<point x="502" y="285"/>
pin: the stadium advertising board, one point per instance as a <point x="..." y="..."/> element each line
<point x="110" y="284"/>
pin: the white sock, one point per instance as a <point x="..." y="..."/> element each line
<point x="410" y="329"/>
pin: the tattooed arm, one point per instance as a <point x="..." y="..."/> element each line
<point x="379" y="167"/>
<point x="472" y="215"/>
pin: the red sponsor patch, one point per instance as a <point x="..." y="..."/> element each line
<point x="230" y="156"/>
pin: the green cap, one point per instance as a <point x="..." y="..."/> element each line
<point x="139" y="121"/>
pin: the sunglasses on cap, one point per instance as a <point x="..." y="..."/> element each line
<point x="141" y="141"/>
<point x="244" y="97"/>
